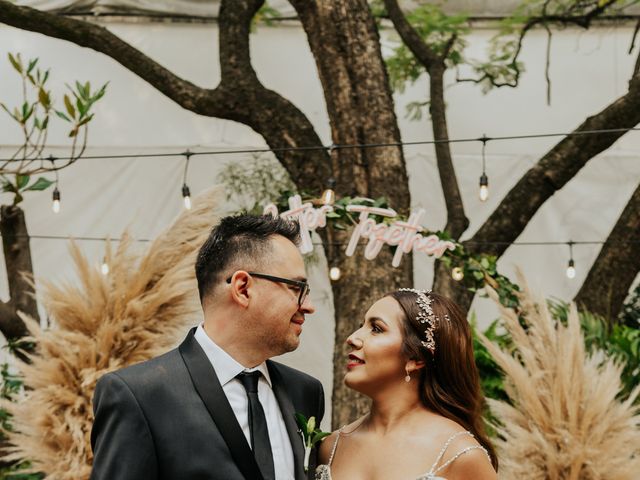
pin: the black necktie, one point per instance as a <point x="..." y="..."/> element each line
<point x="260" y="443"/>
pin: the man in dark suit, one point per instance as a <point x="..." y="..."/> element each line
<point x="216" y="407"/>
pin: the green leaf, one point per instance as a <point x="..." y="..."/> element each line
<point x="8" y="186"/>
<point x="319" y="436"/>
<point x="70" y="109"/>
<point x="21" y="181"/>
<point x="40" y="184"/>
<point x="82" y="107"/>
<point x="85" y="120"/>
<point x="62" y="116"/>
<point x="44" y="98"/>
<point x="16" y="62"/>
<point x="32" y="64"/>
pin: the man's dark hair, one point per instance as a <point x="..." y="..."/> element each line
<point x="237" y="237"/>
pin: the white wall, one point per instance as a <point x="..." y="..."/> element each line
<point x="102" y="197"/>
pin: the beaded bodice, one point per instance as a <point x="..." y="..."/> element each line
<point x="323" y="472"/>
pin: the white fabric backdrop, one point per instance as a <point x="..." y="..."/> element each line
<point x="101" y="198"/>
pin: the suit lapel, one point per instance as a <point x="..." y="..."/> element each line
<point x="208" y="387"/>
<point x="288" y="415"/>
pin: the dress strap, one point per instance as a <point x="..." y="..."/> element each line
<point x="335" y="446"/>
<point x="435" y="469"/>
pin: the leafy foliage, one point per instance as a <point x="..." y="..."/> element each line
<point x="443" y="33"/>
<point x="253" y="183"/>
<point x="32" y="116"/>
<point x="491" y="376"/>
<point x="10" y="389"/>
<point x="621" y="342"/>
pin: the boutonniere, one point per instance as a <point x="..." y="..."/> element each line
<point x="310" y="435"/>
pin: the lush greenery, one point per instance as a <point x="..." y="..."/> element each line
<point x="621" y="341"/>
<point x="10" y="389"/>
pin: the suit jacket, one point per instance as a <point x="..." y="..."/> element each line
<point x="169" y="419"/>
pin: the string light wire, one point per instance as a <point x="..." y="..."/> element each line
<point x="348" y="146"/>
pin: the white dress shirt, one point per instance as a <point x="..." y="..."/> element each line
<point x="227" y="369"/>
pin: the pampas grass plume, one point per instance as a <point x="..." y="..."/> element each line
<point x="141" y="309"/>
<point x="565" y="421"/>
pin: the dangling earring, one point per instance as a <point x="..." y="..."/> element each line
<point x="408" y="377"/>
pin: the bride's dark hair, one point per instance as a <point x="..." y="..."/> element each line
<point x="449" y="382"/>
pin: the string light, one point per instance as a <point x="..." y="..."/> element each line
<point x="484" y="180"/>
<point x="457" y="273"/>
<point x="186" y="193"/>
<point x="55" y="204"/>
<point x="186" y="196"/>
<point x="329" y="195"/>
<point x="603" y="131"/>
<point x="335" y="274"/>
<point x="104" y="268"/>
<point x="571" y="266"/>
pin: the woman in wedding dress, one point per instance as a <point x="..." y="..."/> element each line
<point x="413" y="356"/>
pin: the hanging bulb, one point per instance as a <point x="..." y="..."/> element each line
<point x="329" y="196"/>
<point x="484" y="187"/>
<point x="104" y="268"/>
<point x="571" y="269"/>
<point x="55" y="206"/>
<point x="186" y="196"/>
<point x="335" y="274"/>
<point x="457" y="273"/>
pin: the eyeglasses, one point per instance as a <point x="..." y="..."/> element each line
<point x="302" y="285"/>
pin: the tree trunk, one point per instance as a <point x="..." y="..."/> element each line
<point x="17" y="254"/>
<point x="609" y="279"/>
<point x="345" y="44"/>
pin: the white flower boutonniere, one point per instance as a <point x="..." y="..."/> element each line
<point x="310" y="435"/>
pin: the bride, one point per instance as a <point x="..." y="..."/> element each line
<point x="413" y="356"/>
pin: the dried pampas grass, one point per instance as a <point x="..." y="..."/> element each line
<point x="565" y="422"/>
<point x="102" y="323"/>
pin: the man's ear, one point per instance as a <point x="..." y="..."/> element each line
<point x="414" y="365"/>
<point x="239" y="286"/>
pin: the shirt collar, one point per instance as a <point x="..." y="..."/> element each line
<point x="225" y="366"/>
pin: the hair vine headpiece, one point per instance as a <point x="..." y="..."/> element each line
<point x="427" y="316"/>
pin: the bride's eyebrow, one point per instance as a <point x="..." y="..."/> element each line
<point x="377" y="319"/>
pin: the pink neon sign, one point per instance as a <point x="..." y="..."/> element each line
<point x="404" y="235"/>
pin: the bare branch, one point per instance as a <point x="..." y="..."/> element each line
<point x="609" y="279"/>
<point x="457" y="221"/>
<point x="554" y="170"/>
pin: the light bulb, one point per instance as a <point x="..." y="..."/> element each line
<point x="484" y="187"/>
<point x="186" y="195"/>
<point x="104" y="268"/>
<point x="571" y="269"/>
<point x="457" y="273"/>
<point x="328" y="197"/>
<point x="335" y="274"/>
<point x="55" y="206"/>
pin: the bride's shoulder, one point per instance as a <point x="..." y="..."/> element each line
<point x="328" y="443"/>
<point x="473" y="463"/>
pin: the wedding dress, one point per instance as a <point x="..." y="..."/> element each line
<point x="323" y="472"/>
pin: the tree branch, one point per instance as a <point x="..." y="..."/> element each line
<point x="100" y="39"/>
<point x="425" y="55"/>
<point x="553" y="171"/>
<point x="457" y="221"/>
<point x="608" y="282"/>
<point x="239" y="96"/>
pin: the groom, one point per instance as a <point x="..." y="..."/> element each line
<point x="216" y="407"/>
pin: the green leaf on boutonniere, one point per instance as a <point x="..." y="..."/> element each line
<point x="310" y="435"/>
